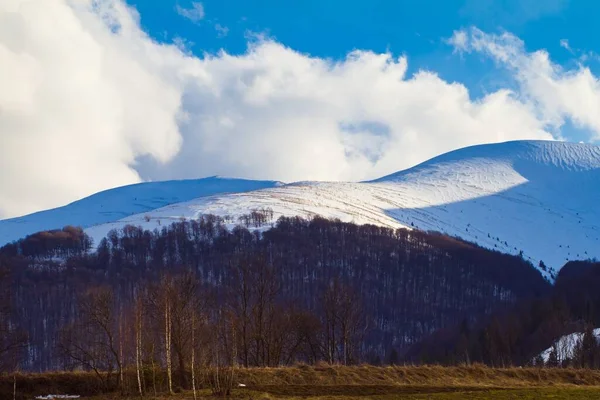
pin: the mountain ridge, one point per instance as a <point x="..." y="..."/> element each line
<point x="583" y="155"/>
<point x="117" y="203"/>
<point x="534" y="198"/>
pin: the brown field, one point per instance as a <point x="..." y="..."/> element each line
<point x="361" y="382"/>
<point x="567" y="393"/>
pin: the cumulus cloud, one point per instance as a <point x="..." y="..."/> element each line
<point x="277" y="113"/>
<point x="195" y="13"/>
<point x="557" y="94"/>
<point x="89" y="102"/>
<point x="84" y="92"/>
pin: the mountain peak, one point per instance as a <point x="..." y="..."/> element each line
<point x="520" y="154"/>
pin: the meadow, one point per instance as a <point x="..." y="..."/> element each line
<point x="357" y="382"/>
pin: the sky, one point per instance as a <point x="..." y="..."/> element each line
<point x="102" y="93"/>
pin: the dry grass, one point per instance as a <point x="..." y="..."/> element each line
<point x="364" y="382"/>
<point x="476" y="375"/>
<point x="30" y="385"/>
<point x="566" y="393"/>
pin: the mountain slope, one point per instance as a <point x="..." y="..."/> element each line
<point x="114" y="204"/>
<point x="529" y="196"/>
<point x="534" y="197"/>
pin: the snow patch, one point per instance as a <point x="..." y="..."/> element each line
<point x="566" y="345"/>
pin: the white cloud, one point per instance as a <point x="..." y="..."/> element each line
<point x="89" y="102"/>
<point x="183" y="44"/>
<point x="222" y="30"/>
<point x="564" y="43"/>
<point x="557" y="94"/>
<point x="276" y="113"/>
<point x="459" y="40"/>
<point x="582" y="55"/>
<point x="195" y="13"/>
<point x="84" y="92"/>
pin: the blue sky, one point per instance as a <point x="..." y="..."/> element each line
<point x="417" y="29"/>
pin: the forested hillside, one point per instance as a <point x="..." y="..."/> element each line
<point x="305" y="290"/>
<point x="514" y="336"/>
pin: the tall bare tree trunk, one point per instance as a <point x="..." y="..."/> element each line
<point x="168" y="342"/>
<point x="138" y="345"/>
<point x="153" y="371"/>
<point x="233" y="359"/>
<point x="193" y="355"/>
<point x="121" y="368"/>
<point x="217" y="380"/>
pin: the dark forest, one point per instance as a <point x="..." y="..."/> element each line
<point x="195" y="293"/>
<point x="300" y="290"/>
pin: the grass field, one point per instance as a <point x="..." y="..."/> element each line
<point x="359" y="382"/>
<point x="389" y="393"/>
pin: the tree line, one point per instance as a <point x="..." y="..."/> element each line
<point x="308" y="291"/>
<point x="176" y="325"/>
<point x="517" y="335"/>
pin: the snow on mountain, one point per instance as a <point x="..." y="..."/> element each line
<point x="535" y="197"/>
<point x="114" y="204"/>
<point x="566" y="345"/>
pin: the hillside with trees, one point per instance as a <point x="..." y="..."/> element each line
<point x="517" y="335"/>
<point x="299" y="290"/>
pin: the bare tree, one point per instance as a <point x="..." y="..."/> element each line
<point x="258" y="319"/>
<point x="167" y="289"/>
<point x="223" y="360"/>
<point x="138" y="321"/>
<point x="343" y="321"/>
<point x="264" y="315"/>
<point x="92" y="341"/>
<point x="12" y="339"/>
<point x="193" y="362"/>
<point x="177" y="299"/>
<point x="241" y="300"/>
<point x="185" y="302"/>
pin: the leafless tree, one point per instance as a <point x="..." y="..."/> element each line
<point x="343" y="322"/>
<point x="257" y="317"/>
<point x="162" y="301"/>
<point x="12" y="339"/>
<point x="185" y="304"/>
<point x="92" y="341"/>
<point x="223" y="355"/>
<point x="138" y="329"/>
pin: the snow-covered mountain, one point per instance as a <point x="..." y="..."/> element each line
<point x="535" y="197"/>
<point x="115" y="204"/>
